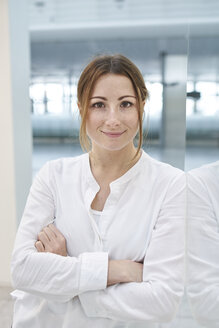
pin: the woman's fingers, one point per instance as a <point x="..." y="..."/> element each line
<point x="49" y="232"/>
<point x="39" y="246"/>
<point x="52" y="241"/>
<point x="56" y="232"/>
<point x="42" y="236"/>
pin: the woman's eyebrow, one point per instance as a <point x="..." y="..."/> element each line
<point x="120" y="98"/>
<point x="99" y="97"/>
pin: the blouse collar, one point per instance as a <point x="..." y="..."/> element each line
<point x="123" y="179"/>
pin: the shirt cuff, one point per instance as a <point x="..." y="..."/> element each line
<point x="94" y="271"/>
<point x="90" y="304"/>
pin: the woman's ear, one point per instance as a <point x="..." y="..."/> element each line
<point x="79" y="107"/>
<point x="143" y="116"/>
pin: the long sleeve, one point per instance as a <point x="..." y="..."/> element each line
<point x="49" y="275"/>
<point x="203" y="246"/>
<point x="158" y="296"/>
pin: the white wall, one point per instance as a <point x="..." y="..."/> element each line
<point x="15" y="127"/>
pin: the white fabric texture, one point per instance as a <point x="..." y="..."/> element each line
<point x="203" y="244"/>
<point x="142" y="220"/>
<point x="96" y="216"/>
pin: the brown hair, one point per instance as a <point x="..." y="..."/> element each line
<point x="105" y="64"/>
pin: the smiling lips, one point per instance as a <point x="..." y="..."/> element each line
<point x="113" y="134"/>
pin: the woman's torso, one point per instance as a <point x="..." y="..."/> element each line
<point x="123" y="230"/>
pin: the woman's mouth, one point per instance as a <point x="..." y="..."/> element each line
<point x="113" y="134"/>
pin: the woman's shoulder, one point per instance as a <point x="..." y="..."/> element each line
<point x="63" y="165"/>
<point x="157" y="167"/>
<point x="160" y="177"/>
<point x="68" y="161"/>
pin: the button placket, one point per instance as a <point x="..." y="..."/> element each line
<point x="91" y="191"/>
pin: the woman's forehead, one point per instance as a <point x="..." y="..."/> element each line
<point x="113" y="83"/>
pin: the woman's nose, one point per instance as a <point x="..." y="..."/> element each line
<point x="112" y="118"/>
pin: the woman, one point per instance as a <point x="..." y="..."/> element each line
<point x="114" y="255"/>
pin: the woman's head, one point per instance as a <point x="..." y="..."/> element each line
<point x="97" y="68"/>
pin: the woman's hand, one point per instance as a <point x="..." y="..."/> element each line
<point x="124" y="271"/>
<point x="51" y="240"/>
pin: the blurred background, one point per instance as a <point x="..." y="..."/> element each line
<point x="45" y="44"/>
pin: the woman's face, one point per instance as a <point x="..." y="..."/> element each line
<point x="112" y="118"/>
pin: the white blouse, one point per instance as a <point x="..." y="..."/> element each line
<point x="142" y="220"/>
<point x="96" y="216"/>
<point x="203" y="244"/>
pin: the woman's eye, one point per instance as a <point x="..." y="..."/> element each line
<point x="126" y="104"/>
<point x="98" y="105"/>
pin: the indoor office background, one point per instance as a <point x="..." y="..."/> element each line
<point x="44" y="46"/>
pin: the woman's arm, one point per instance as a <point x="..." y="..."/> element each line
<point x="158" y="296"/>
<point x="46" y="274"/>
<point x="51" y="240"/>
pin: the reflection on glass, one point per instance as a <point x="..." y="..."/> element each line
<point x="203" y="244"/>
<point x="202" y="154"/>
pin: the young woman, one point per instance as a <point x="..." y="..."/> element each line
<point x="114" y="255"/>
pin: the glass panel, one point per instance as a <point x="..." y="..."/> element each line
<point x="202" y="102"/>
<point x="202" y="159"/>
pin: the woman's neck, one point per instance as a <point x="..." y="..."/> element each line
<point x="110" y="165"/>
